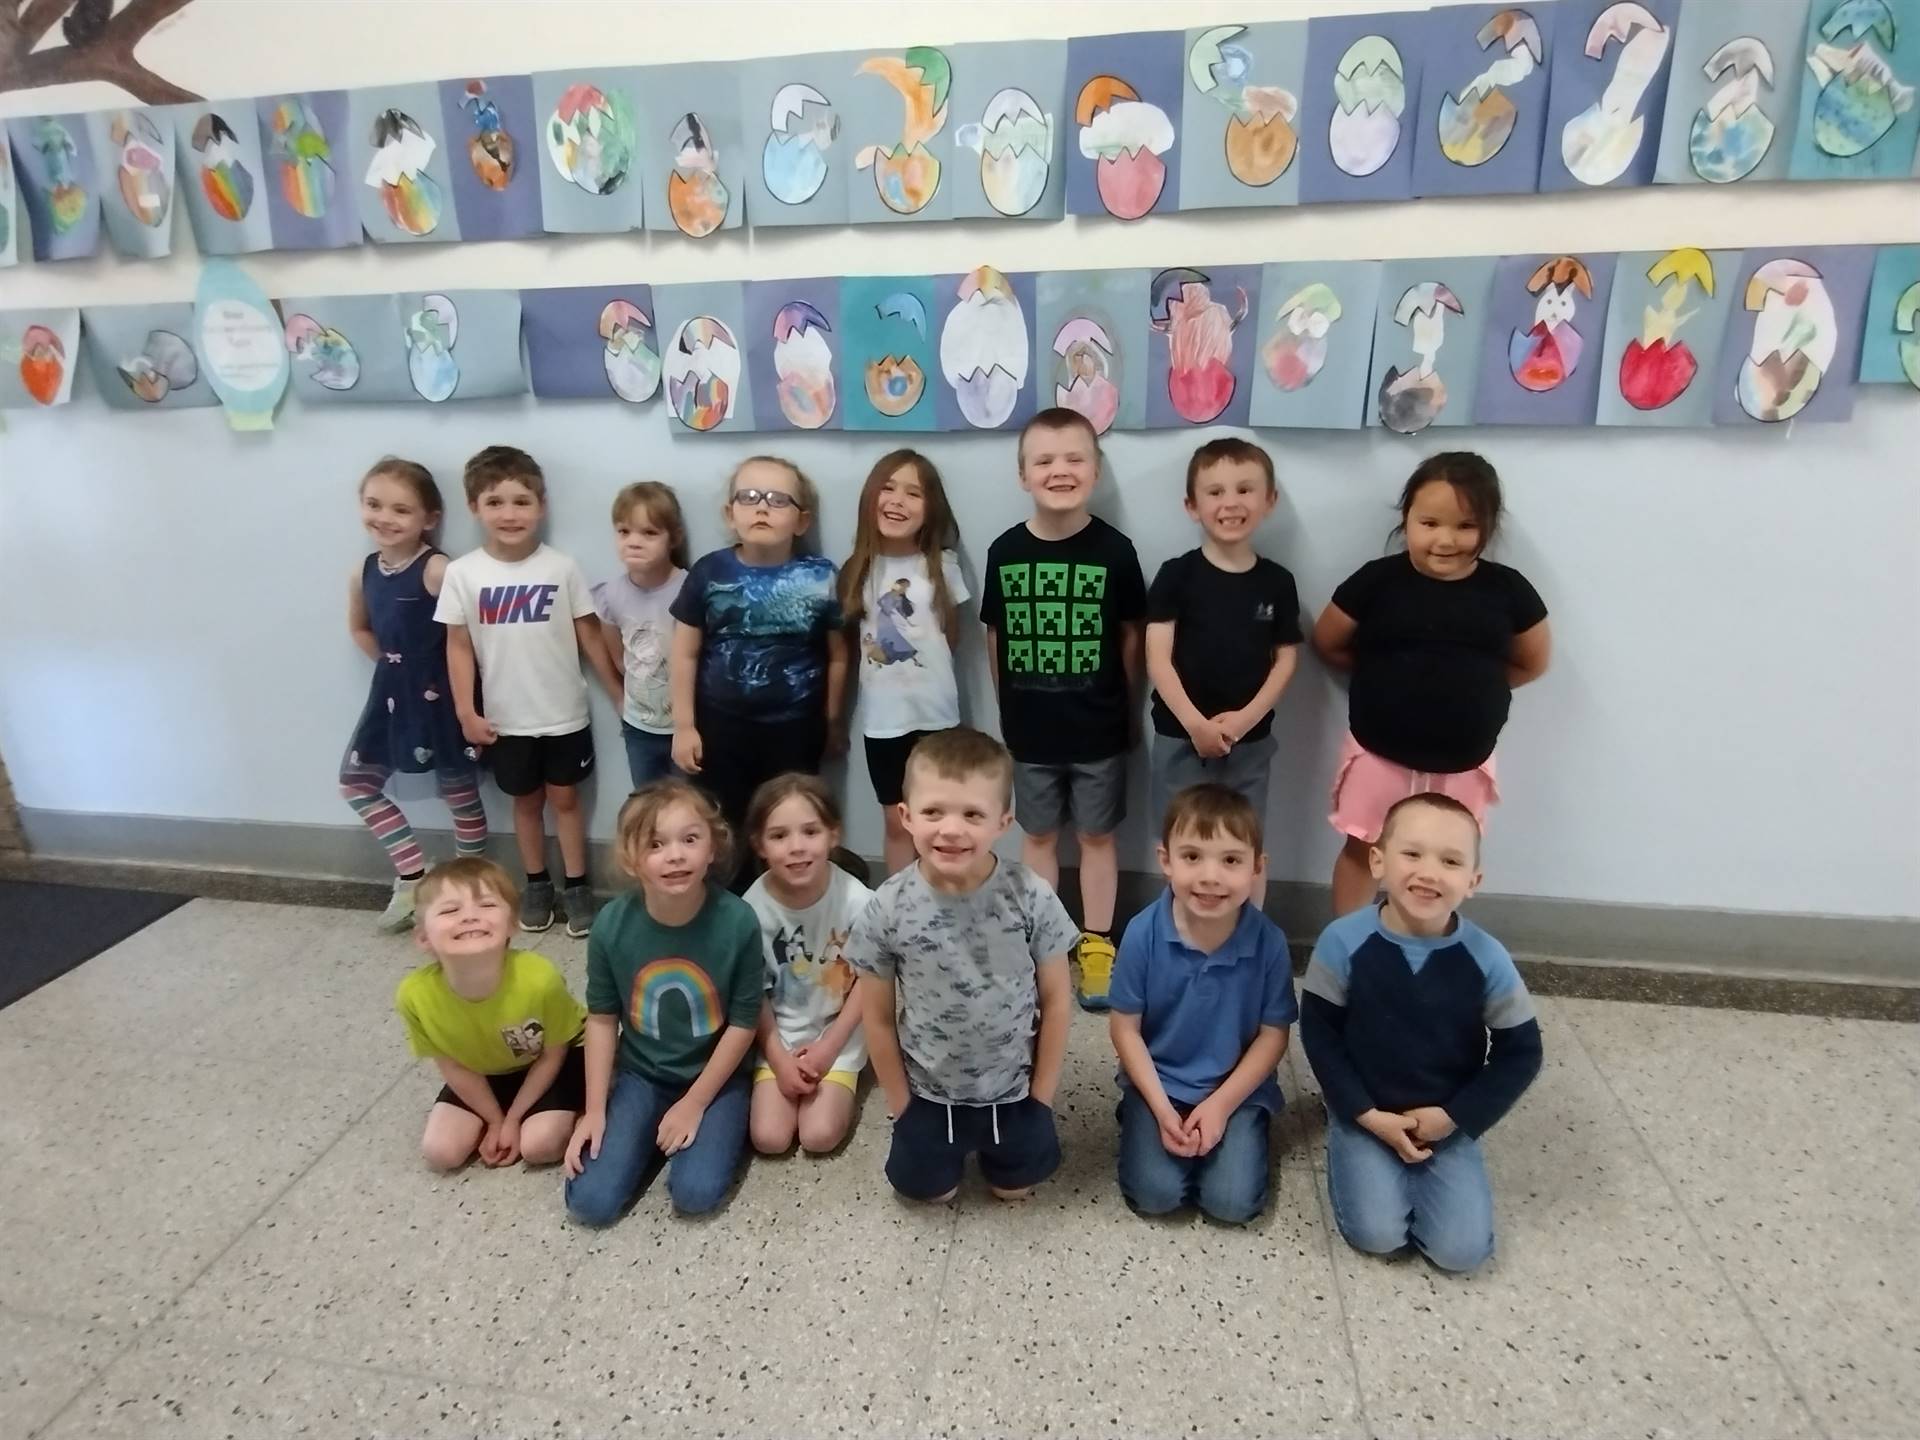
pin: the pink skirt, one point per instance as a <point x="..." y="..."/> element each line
<point x="1365" y="787"/>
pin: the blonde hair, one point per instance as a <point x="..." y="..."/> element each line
<point x="662" y="507"/>
<point x="470" y="872"/>
<point x="640" y="817"/>
<point x="803" y="489"/>
<point x="774" y="793"/>
<point x="938" y="534"/>
<point x="1207" y="811"/>
<point x="961" y="754"/>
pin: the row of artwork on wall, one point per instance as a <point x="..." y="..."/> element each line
<point x="1657" y="338"/>
<point x="1478" y="99"/>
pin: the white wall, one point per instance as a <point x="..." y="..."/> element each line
<point x="1731" y="719"/>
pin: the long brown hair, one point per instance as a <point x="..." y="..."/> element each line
<point x="938" y="534"/>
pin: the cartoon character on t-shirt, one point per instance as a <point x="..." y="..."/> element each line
<point x="527" y="1038"/>
<point x="892" y="639"/>
<point x="651" y="689"/>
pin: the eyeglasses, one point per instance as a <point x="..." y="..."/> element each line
<point x="772" y="499"/>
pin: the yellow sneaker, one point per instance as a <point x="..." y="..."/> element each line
<point x="1093" y="955"/>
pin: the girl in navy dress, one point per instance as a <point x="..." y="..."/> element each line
<point x="409" y="724"/>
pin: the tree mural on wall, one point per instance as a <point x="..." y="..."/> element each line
<point x="100" y="45"/>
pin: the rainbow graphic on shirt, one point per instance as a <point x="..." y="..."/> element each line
<point x="660" y="979"/>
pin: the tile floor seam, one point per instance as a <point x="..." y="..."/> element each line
<point x="129" y="1338"/>
<point x="1323" y="1201"/>
<point x="240" y="1232"/>
<point x="1686" y="1214"/>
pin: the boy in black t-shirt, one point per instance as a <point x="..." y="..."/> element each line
<point x="1062" y="600"/>
<point x="1223" y="630"/>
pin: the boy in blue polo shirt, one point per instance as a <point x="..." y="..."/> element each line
<point x="1202" y="997"/>
<point x="1422" y="1035"/>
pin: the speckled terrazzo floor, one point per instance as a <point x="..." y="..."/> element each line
<point x="212" y="1223"/>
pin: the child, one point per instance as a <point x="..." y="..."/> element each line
<point x="1437" y="638"/>
<point x="409" y="724"/>
<point x="1062" y="603"/>
<point x="1422" y="1035"/>
<point x="811" y="1048"/>
<point x="972" y="950"/>
<point x="1223" y="625"/>
<point x="901" y="591"/>
<point x="519" y="617"/>
<point x="499" y="1023"/>
<point x="759" y="664"/>
<point x="1202" y="998"/>
<point x="674" y="984"/>
<point x="652" y="539"/>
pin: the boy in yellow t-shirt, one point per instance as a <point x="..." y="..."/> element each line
<point x="500" y="1024"/>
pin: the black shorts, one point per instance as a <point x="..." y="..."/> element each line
<point x="924" y="1163"/>
<point x="887" y="764"/>
<point x="522" y="764"/>
<point x="567" y="1092"/>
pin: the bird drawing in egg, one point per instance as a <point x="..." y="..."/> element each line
<point x="1086" y="372"/>
<point x="696" y="196"/>
<point x="398" y="173"/>
<point x="1795" y="338"/>
<point x="1199" y="331"/>
<point x="1544" y="354"/>
<point x="1125" y="137"/>
<point x="224" y="177"/>
<point x="1475" y="126"/>
<point x="803" y="365"/>
<point x="632" y="358"/>
<point x="1298" y="346"/>
<point x="1260" y="139"/>
<point x="906" y="173"/>
<point x="1014" y="139"/>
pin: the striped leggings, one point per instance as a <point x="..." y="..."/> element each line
<point x="364" y="787"/>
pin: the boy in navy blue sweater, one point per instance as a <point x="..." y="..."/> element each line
<point x="1422" y="1035"/>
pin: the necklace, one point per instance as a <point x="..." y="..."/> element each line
<point x="386" y="569"/>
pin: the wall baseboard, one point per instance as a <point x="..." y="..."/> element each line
<point x="340" y="864"/>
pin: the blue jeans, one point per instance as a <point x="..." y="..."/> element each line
<point x="1443" y="1205"/>
<point x="697" y="1177"/>
<point x="649" y="756"/>
<point x="1229" y="1182"/>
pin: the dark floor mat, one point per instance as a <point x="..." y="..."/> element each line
<point x="46" y="930"/>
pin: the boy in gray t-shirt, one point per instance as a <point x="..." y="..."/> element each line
<point x="970" y="999"/>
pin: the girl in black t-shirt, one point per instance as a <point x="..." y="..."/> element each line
<point x="1437" y="638"/>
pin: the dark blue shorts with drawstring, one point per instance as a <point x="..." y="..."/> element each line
<point x="1017" y="1144"/>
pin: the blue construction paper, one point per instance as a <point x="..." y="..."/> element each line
<point x="1360" y="147"/>
<point x="1611" y="61"/>
<point x="1890" y="348"/>
<point x="142" y="357"/>
<point x="592" y="342"/>
<point x="1090" y="345"/>
<point x="1427" y="337"/>
<point x="221" y="176"/>
<point x="494" y="141"/>
<point x="1240" y="115"/>
<point x="346" y="349"/>
<point x="1663" y="336"/>
<point x="1483" y="99"/>
<point x="793" y="342"/>
<point x="134" y="149"/>
<point x="985" y="322"/>
<point x="692" y="152"/>
<point x="589" y="120"/>
<point x="1123" y="100"/>
<point x="311" y="172"/>
<point x="898" y="128"/>
<point x="1795" y="331"/>
<point x="1009" y="136"/>
<point x="1314" y="343"/>
<point x="1734" y="93"/>
<point x="1540" y="359"/>
<point x="888" y="353"/>
<point x="702" y="350"/>
<point x="57" y="182"/>
<point x="1851" y="126"/>
<point x="792" y="123"/>
<point x="399" y="166"/>
<point x="1200" y="349"/>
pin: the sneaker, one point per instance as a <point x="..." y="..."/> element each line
<point x="577" y="900"/>
<point x="398" y="915"/>
<point x="536" y="906"/>
<point x="1093" y="955"/>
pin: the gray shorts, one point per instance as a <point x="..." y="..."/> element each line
<point x="1092" y="795"/>
<point x="1176" y="765"/>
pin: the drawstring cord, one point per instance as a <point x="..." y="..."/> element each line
<point x="996" y="1124"/>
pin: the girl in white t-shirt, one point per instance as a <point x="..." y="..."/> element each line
<point x="901" y="591"/>
<point x="811" y="1047"/>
